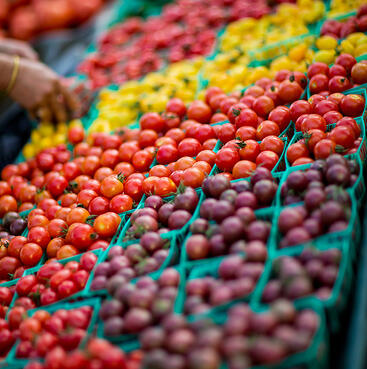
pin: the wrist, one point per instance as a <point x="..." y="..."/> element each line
<point x="6" y="67"/>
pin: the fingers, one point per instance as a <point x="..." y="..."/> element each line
<point x="71" y="101"/>
<point x="58" y="109"/>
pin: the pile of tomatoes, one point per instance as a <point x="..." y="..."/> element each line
<point x="183" y="30"/>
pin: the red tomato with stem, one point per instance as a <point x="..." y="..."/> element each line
<point x="226" y="159"/>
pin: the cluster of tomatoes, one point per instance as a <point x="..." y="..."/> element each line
<point x="183" y="30"/>
<point x="314" y="117"/>
<point x="54" y="281"/>
<point x="43" y="331"/>
<point x="339" y="29"/>
<point x="343" y="75"/>
<point x="98" y="353"/>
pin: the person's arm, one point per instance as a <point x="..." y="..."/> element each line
<point x="38" y="89"/>
<point x="16" y="47"/>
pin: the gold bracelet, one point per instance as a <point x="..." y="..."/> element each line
<point x="13" y="75"/>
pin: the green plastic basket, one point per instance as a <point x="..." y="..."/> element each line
<point x="358" y="189"/>
<point x="316" y="356"/>
<point x="361" y="152"/>
<point x="94" y="303"/>
<point x="278" y="49"/>
<point x="351" y="234"/>
<point x="128" y="339"/>
<point x="179" y="234"/>
<point x="79" y="294"/>
<point x="187" y="263"/>
<point x="343" y="285"/>
<point x="209" y="267"/>
<point x="171" y="260"/>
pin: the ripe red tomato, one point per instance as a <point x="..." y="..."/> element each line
<point x="318" y="83"/>
<point x="325" y="106"/>
<point x="226" y="159"/>
<point x="152" y="121"/>
<point x="59" y="277"/>
<point x="342" y="136"/>
<point x="29" y="329"/>
<point x="121" y="203"/>
<point x="90" y="165"/>
<point x="112" y="186"/>
<point x="272" y="143"/>
<point x="54" y="246"/>
<point x="339" y="84"/>
<point x="109" y="158"/>
<point x="48" y="296"/>
<point x="66" y="251"/>
<point x="106" y="224"/>
<point x="82" y="236"/>
<point x="296" y="151"/>
<point x="347" y="61"/>
<point x="313" y="136"/>
<point x="25" y="284"/>
<point x="39" y="235"/>
<point x="352" y="105"/>
<point x="160" y="171"/>
<point x="124" y="168"/>
<point x="189" y="147"/>
<point x="15" y="245"/>
<point x="289" y="91"/>
<point x="193" y="177"/>
<point x="7" y="203"/>
<point x="142" y="160"/>
<point x="45" y="161"/>
<point x="267" y="128"/>
<point x="249" y="151"/>
<point x="359" y="73"/>
<point x="127" y="150"/>
<point x="313" y="121"/>
<point x="81" y="149"/>
<point x="337" y="70"/>
<point x="263" y="105"/>
<point x="212" y="91"/>
<point x="176" y="134"/>
<point x="203" y="166"/>
<point x="9" y="171"/>
<point x="176" y="106"/>
<point x="78" y="183"/>
<point x="5" y="188"/>
<point x="167" y="154"/>
<point x="317" y="68"/>
<point x="350" y="122"/>
<point x="134" y="188"/>
<point x="171" y="120"/>
<point x="147" y="137"/>
<point x="246" y="133"/>
<point x="267" y="159"/>
<point x="199" y="111"/>
<point x="75" y="134"/>
<point x="243" y="169"/>
<point x="164" y="187"/>
<point x="77" y="215"/>
<point x="247" y="117"/>
<point x="332" y="117"/>
<point x="281" y="116"/>
<point x="226" y="132"/>
<point x="324" y="149"/>
<point x="30" y="254"/>
<point x="85" y="197"/>
<point x="208" y="156"/>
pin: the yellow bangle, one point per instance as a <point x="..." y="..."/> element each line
<point x="13" y="75"/>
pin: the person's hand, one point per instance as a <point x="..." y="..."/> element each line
<point x="40" y="90"/>
<point x="15" y="47"/>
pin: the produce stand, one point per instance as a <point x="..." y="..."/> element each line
<point x="208" y="210"/>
